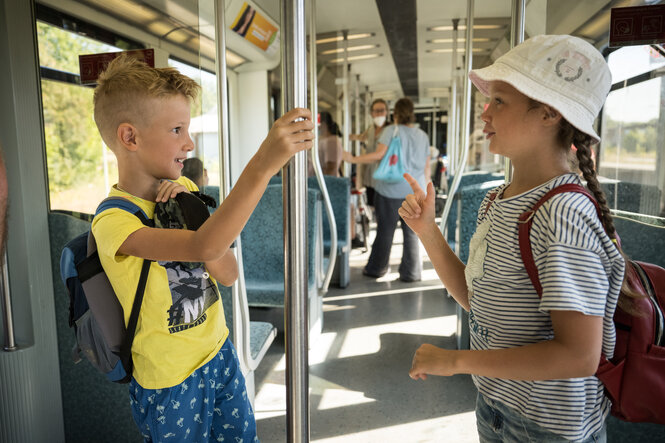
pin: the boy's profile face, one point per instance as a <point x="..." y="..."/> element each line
<point x="164" y="141"/>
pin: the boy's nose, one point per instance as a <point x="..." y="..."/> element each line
<point x="190" y="143"/>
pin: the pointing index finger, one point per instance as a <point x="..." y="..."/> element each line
<point x="413" y="183"/>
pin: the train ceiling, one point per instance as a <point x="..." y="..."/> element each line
<point x="396" y="47"/>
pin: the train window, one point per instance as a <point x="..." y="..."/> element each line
<point x="80" y="167"/>
<point x="633" y="132"/>
<point x="203" y="126"/>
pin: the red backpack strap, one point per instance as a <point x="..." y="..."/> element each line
<point x="526" y="220"/>
<point x="492" y="196"/>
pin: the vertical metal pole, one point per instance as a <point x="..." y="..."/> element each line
<point x="356" y="147"/>
<point x="465" y="117"/>
<point x="452" y="118"/>
<point x="367" y="102"/>
<point x="516" y="37"/>
<point x="294" y="94"/>
<point x="345" y="102"/>
<point x="239" y="305"/>
<point x="434" y="109"/>
<point x="7" y="317"/>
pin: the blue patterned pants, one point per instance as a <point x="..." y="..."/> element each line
<point x="211" y="405"/>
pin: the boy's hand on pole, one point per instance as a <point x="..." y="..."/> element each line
<point x="291" y="133"/>
<point x="418" y="208"/>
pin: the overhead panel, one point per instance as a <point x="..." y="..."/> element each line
<point x="399" y="19"/>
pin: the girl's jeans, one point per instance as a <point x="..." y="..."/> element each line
<point x="497" y="423"/>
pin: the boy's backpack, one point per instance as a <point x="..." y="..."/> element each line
<point x="634" y="378"/>
<point x="94" y="310"/>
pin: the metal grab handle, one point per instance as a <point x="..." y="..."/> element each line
<point x="241" y="321"/>
<point x="314" y="107"/>
<point x="466" y="116"/>
<point x="8" y="321"/>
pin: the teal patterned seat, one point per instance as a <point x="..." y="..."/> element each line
<point x="339" y="190"/>
<point x="468" y="178"/>
<point x="263" y="253"/>
<point x="92" y="405"/>
<point x="462" y="225"/>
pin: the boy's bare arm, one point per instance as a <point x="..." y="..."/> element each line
<point x="212" y="240"/>
<point x="224" y="269"/>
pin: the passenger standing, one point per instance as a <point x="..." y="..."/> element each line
<point x="330" y="146"/>
<point x="193" y="169"/>
<point x="389" y="196"/>
<point x="379" y="112"/>
<point x="187" y="383"/>
<point x="533" y="360"/>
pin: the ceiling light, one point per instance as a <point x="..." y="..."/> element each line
<point x="463" y="27"/>
<point x="459" y="40"/>
<point x="356" y="57"/>
<point x="444" y="50"/>
<point x="350" y="49"/>
<point x="233" y="59"/>
<point x="137" y="13"/>
<point x="339" y="38"/>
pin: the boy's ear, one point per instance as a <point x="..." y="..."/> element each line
<point x="127" y="136"/>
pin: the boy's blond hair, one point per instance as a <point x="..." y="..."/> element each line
<point x="125" y="88"/>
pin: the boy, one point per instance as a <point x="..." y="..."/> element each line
<point x="186" y="383"/>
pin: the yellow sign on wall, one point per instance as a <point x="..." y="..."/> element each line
<point x="254" y="27"/>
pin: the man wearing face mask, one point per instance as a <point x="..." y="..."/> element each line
<point x="379" y="111"/>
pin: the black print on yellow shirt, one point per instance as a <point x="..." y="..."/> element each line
<point x="192" y="293"/>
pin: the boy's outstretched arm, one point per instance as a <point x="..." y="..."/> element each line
<point x="290" y="134"/>
<point x="418" y="212"/>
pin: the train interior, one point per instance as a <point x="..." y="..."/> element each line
<point x="362" y="331"/>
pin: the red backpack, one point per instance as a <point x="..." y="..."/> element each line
<point x="634" y="378"/>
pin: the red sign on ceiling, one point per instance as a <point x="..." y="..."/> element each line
<point x="637" y="25"/>
<point x="91" y="65"/>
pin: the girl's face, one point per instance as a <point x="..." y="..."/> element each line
<point x="510" y="121"/>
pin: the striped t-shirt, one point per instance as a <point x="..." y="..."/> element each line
<point x="580" y="269"/>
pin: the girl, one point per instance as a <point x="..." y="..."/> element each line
<point x="533" y="360"/>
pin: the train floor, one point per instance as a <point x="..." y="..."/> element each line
<point x="360" y="390"/>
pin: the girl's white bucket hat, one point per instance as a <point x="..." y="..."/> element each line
<point x="561" y="71"/>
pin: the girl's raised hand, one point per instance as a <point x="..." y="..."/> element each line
<point x="418" y="208"/>
<point x="168" y="189"/>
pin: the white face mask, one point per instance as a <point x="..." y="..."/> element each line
<point x="379" y="120"/>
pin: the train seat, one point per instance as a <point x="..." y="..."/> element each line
<point x="468" y="198"/>
<point x="339" y="190"/>
<point x="467" y="179"/>
<point x="109" y="412"/>
<point x="263" y="254"/>
<point x="92" y="406"/>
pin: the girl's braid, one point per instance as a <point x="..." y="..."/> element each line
<point x="583" y="144"/>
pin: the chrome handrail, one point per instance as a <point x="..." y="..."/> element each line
<point x="7" y="317"/>
<point x="314" y="107"/>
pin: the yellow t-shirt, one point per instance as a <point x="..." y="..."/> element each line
<point x="181" y="326"/>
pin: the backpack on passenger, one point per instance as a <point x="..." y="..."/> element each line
<point x="94" y="310"/>
<point x="634" y="378"/>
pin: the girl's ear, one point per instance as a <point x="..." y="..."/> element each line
<point x="127" y="136"/>
<point x="550" y="116"/>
